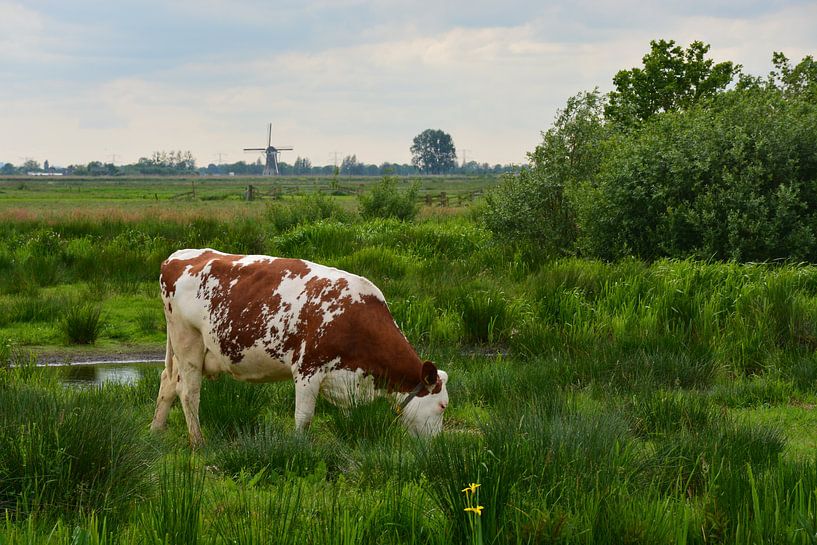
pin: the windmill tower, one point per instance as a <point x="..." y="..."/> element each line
<point x="271" y="166"/>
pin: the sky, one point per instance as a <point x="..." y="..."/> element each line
<point x="116" y="80"/>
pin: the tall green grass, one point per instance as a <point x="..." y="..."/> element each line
<point x="69" y="451"/>
<point x="593" y="402"/>
<point x="175" y="516"/>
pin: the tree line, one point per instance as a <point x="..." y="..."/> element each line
<point x="685" y="157"/>
<point x="433" y="152"/>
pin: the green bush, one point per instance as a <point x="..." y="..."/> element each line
<point x="733" y="179"/>
<point x="701" y="172"/>
<point x="82" y="323"/>
<point x="385" y="200"/>
<point x="284" y="215"/>
<point x="530" y="207"/>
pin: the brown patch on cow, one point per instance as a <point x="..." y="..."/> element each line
<point x="243" y="299"/>
<point x="363" y="337"/>
<point x="172" y="269"/>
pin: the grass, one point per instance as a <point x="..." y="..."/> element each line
<point x="82" y="323"/>
<point x="626" y="402"/>
<point x="66" y="452"/>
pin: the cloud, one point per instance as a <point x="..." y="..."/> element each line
<point x="353" y="76"/>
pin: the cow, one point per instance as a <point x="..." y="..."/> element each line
<point x="263" y="319"/>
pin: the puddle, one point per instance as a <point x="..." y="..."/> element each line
<point x="97" y="374"/>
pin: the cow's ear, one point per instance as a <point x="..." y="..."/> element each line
<point x="429" y="373"/>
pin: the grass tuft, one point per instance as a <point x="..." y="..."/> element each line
<point x="82" y="323"/>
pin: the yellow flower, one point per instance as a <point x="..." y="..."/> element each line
<point x="478" y="509"/>
<point x="472" y="488"/>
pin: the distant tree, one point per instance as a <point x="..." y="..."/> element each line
<point x="31" y="166"/>
<point x="672" y="78"/>
<point x="8" y="169"/>
<point x="350" y="166"/>
<point x="46" y="166"/>
<point x="302" y="166"/>
<point x="471" y="167"/>
<point x="166" y="163"/>
<point x="433" y="152"/>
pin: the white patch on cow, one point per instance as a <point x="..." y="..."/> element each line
<point x="346" y="388"/>
<point x="191" y="253"/>
<point x="424" y="415"/>
<point x="251" y="259"/>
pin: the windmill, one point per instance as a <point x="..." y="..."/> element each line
<point x="271" y="166"/>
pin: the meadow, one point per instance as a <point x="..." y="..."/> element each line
<point x="593" y="402"/>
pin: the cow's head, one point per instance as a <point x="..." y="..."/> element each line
<point x="423" y="414"/>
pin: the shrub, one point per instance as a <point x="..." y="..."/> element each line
<point x="385" y="200"/>
<point x="284" y="215"/>
<point x="82" y="323"/>
<point x="529" y="207"/>
<point x="732" y="179"/>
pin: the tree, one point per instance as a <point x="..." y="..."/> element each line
<point x="302" y="165"/>
<point x="535" y="205"/>
<point x="800" y="80"/>
<point x="572" y="149"/>
<point x="30" y="165"/>
<point x="433" y="152"/>
<point x="350" y="166"/>
<point x="732" y="178"/>
<point x="672" y="78"/>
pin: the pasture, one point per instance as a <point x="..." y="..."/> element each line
<point x="625" y="402"/>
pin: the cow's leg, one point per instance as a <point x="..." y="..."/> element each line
<point x="306" y="394"/>
<point x="167" y="390"/>
<point x="189" y="350"/>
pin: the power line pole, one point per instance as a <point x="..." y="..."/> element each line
<point x="464" y="155"/>
<point x="335" y="154"/>
<point x="113" y="157"/>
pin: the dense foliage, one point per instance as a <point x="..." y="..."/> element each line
<point x="673" y="164"/>
<point x="385" y="200"/>
<point x="433" y="152"/>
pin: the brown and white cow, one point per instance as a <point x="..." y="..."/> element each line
<point x="264" y="319"/>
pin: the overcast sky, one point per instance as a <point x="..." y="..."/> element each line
<point x="84" y="80"/>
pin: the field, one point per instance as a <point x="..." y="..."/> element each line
<point x="593" y="402"/>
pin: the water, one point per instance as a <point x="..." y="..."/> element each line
<point x="97" y="374"/>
